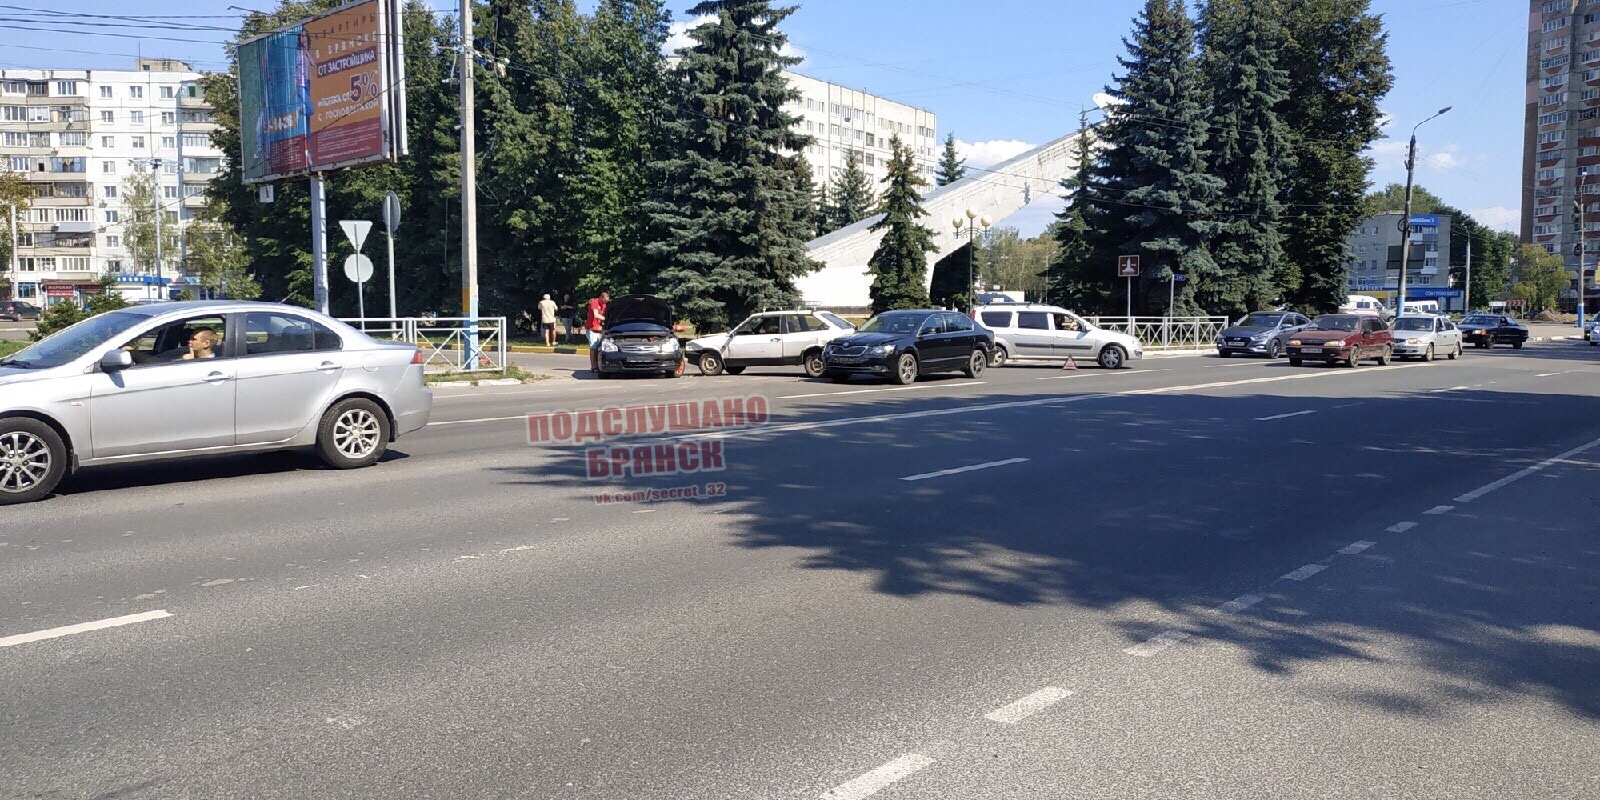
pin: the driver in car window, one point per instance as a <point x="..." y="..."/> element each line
<point x="202" y="344"/>
<point x="1066" y="323"/>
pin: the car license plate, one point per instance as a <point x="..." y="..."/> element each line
<point x="1236" y="341"/>
<point x="846" y="359"/>
<point x="640" y="360"/>
<point x="1310" y="349"/>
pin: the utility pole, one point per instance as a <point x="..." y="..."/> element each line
<point x="319" y="242"/>
<point x="1583" y="235"/>
<point x="15" y="271"/>
<point x="469" y="197"/>
<point x="1466" y="296"/>
<point x="155" y="183"/>
<point x="1405" y="221"/>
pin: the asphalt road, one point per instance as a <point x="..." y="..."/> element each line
<point x="1194" y="578"/>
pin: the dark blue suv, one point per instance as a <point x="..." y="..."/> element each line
<point x="900" y="345"/>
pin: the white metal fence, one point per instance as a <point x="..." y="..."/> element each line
<point x="1167" y="333"/>
<point x="444" y="341"/>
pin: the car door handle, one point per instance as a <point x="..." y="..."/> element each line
<point x="216" y="377"/>
<point x="327" y="365"/>
<point x="774" y="339"/>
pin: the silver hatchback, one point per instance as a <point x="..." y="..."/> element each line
<point x="172" y="380"/>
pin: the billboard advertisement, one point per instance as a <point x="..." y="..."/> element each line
<point x="322" y="94"/>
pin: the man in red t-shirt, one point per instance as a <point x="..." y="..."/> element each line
<point x="593" y="324"/>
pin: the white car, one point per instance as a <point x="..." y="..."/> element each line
<point x="1425" y="336"/>
<point x="770" y="339"/>
<point x="1031" y="331"/>
<point x="1594" y="334"/>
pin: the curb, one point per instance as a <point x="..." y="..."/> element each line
<point x="457" y="384"/>
<point x="1556" y="338"/>
<point x="564" y="350"/>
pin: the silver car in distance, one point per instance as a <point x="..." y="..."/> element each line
<point x="171" y="380"/>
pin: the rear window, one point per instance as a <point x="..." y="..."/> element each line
<point x="996" y="319"/>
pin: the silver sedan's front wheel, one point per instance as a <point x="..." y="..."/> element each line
<point x="354" y="433"/>
<point x="32" y="460"/>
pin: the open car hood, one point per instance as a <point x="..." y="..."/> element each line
<point x="638" y="308"/>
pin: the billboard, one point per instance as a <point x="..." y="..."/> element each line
<point x="322" y="94"/>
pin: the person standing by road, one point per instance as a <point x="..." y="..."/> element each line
<point x="568" y="313"/>
<point x="596" y="323"/>
<point x="547" y="320"/>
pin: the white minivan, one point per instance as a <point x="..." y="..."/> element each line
<point x="1365" y="304"/>
<point x="1420" y="307"/>
<point x="1031" y="331"/>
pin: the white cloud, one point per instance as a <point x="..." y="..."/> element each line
<point x="678" y="37"/>
<point x="1500" y="218"/>
<point x="994" y="151"/>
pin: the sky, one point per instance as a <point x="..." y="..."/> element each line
<point x="1003" y="75"/>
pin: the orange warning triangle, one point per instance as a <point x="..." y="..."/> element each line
<point x="1070" y="365"/>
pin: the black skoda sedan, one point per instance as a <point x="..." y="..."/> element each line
<point x="900" y="345"/>
<point x="1488" y="330"/>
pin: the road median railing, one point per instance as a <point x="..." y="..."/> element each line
<point x="446" y="342"/>
<point x="1167" y="333"/>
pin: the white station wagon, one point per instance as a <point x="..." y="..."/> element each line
<point x="770" y="339"/>
<point x="1052" y="333"/>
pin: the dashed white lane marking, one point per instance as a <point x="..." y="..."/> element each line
<point x="1517" y="476"/>
<point x="82" y="627"/>
<point x="1436" y="510"/>
<point x="875" y="781"/>
<point x="1098" y="374"/>
<point x="885" y="389"/>
<point x="1286" y="416"/>
<point x="1451" y="389"/>
<point x="1274" y="379"/>
<point x="1238" y="604"/>
<point x="1305" y="572"/>
<point x="1548" y="374"/>
<point x="1401" y="527"/>
<point x="523" y="417"/>
<point x="1355" y="547"/>
<point x="1013" y="713"/>
<point x="1156" y="644"/>
<point x="958" y="470"/>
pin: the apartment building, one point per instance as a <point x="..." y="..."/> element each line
<point x="842" y="120"/>
<point x="1561" y="134"/>
<point x="77" y="136"/>
<point x="1374" y="249"/>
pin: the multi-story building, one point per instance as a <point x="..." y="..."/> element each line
<point x="1561" y="133"/>
<point x="842" y="120"/>
<point x="78" y="135"/>
<point x="1374" y="249"/>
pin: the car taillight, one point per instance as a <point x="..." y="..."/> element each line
<point x="416" y="356"/>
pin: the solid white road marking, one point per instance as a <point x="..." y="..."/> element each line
<point x="1438" y="510"/>
<point x="1156" y="644"/>
<point x="958" y="470"/>
<point x="82" y="627"/>
<point x="1401" y="527"/>
<point x="1238" y="604"/>
<point x="885" y="389"/>
<point x="1548" y="374"/>
<point x="1274" y="379"/>
<point x="1509" y="479"/>
<point x="1352" y="549"/>
<point x="873" y="782"/>
<point x="1286" y="416"/>
<point x="1305" y="572"/>
<point x="1014" y="713"/>
<point x="1094" y="374"/>
<point x="522" y="417"/>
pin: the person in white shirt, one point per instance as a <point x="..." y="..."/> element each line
<point x="547" y="320"/>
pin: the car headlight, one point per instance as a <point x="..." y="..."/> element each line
<point x="1475" y="333"/>
<point x="881" y="350"/>
<point x="694" y="347"/>
<point x="668" y="346"/>
<point x="1294" y="342"/>
<point x="1413" y="341"/>
<point x="608" y="346"/>
<point x="1260" y="337"/>
<point x="1334" y="343"/>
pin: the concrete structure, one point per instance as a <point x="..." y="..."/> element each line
<point x="78" y="135"/>
<point x="1562" y="131"/>
<point x="996" y="192"/>
<point x="842" y="120"/>
<point x="1375" y="257"/>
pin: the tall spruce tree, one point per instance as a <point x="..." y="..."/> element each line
<point x="1241" y="43"/>
<point x="1080" y="276"/>
<point x="1153" y="194"/>
<point x="952" y="167"/>
<point x="899" y="267"/>
<point x="851" y="191"/>
<point x="727" y="219"/>
<point x="1338" y="65"/>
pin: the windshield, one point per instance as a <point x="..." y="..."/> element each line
<point x="1413" y="324"/>
<point x="1260" y="321"/>
<point x="1333" y="324"/>
<point x="1481" y="321"/>
<point x="836" y="321"/>
<point x="893" y="323"/>
<point x="67" y="345"/>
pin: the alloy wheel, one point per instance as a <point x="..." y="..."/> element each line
<point x="355" y="433"/>
<point x="24" y="461"/>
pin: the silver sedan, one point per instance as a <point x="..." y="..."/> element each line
<point x="172" y="380"/>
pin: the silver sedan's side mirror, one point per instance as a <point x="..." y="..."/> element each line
<point x="115" y="360"/>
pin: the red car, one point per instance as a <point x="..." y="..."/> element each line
<point x="1342" y="338"/>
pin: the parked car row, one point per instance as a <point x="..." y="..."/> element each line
<point x="1354" y="337"/>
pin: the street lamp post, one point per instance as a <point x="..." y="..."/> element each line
<point x="972" y="221"/>
<point x="1405" y="220"/>
<point x="1583" y="235"/>
<point x="177" y="122"/>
